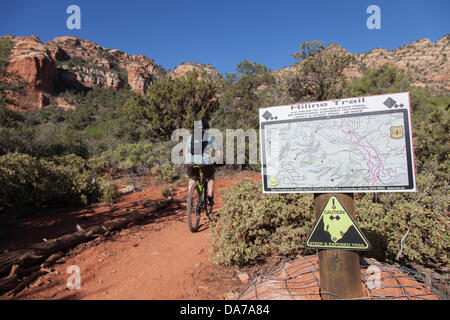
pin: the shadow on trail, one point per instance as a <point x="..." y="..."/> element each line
<point x="174" y="212"/>
<point x="53" y="223"/>
<point x="202" y="227"/>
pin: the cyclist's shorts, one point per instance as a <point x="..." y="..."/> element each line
<point x="194" y="173"/>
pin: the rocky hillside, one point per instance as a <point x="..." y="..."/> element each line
<point x="72" y="63"/>
<point x="83" y="63"/>
<point x="68" y="62"/>
<point x="30" y="63"/>
<point x="427" y="61"/>
<point x="211" y="72"/>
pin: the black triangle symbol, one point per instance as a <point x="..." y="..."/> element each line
<point x="336" y="229"/>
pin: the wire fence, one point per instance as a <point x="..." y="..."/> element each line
<point x="300" y="280"/>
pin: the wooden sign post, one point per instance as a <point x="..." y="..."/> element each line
<point x="340" y="274"/>
<point x="347" y="145"/>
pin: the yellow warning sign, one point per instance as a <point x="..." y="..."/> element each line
<point x="335" y="229"/>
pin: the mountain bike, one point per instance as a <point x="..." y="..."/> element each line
<point x="197" y="202"/>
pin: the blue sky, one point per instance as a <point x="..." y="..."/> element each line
<point x="224" y="32"/>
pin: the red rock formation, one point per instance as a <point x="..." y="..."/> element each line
<point x="427" y="61"/>
<point x="90" y="64"/>
<point x="31" y="62"/>
<point x="182" y="69"/>
<point x="69" y="62"/>
<point x="63" y="104"/>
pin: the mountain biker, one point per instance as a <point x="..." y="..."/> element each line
<point x="198" y="156"/>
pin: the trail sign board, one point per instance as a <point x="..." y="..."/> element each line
<point x="361" y="144"/>
<point x="336" y="229"/>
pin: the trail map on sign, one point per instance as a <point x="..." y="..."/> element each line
<point x="348" y="145"/>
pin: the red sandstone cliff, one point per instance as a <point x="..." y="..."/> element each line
<point x="68" y="62"/>
<point x="31" y="63"/>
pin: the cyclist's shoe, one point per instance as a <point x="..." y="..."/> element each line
<point x="210" y="201"/>
<point x="209" y="205"/>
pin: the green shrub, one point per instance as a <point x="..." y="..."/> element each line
<point x="427" y="241"/>
<point x="166" y="191"/>
<point x="431" y="118"/>
<point x="95" y="133"/>
<point x="165" y="173"/>
<point x="31" y="182"/>
<point x="172" y="103"/>
<point x="8" y="118"/>
<point x="252" y="225"/>
<point x="129" y="157"/>
<point x="49" y="141"/>
<point x="423" y="213"/>
<point x="140" y="158"/>
<point x="108" y="190"/>
<point x="385" y="79"/>
<point x="6" y="45"/>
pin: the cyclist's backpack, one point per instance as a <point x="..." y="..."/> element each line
<point x="198" y="141"/>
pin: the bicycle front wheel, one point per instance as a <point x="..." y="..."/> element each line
<point x="194" y="208"/>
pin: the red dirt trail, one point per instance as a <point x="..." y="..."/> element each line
<point x="159" y="258"/>
<point x="156" y="259"/>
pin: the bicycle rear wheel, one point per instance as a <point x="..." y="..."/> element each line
<point x="194" y="208"/>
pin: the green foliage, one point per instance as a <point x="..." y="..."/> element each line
<point x="8" y="118"/>
<point x="49" y="140"/>
<point x="107" y="189"/>
<point x="95" y="133"/>
<point x="172" y="104"/>
<point x="140" y="158"/>
<point x="245" y="229"/>
<point x="321" y="75"/>
<point x="242" y="95"/>
<point x="31" y="182"/>
<point x="97" y="97"/>
<point x="165" y="173"/>
<point x="166" y="191"/>
<point x="252" y="226"/>
<point x="308" y="49"/>
<point x="97" y="118"/>
<point x="80" y="118"/>
<point x="12" y="82"/>
<point x="90" y="64"/>
<point x="419" y="217"/>
<point x="6" y="45"/>
<point x="132" y="124"/>
<point x="431" y="118"/>
<point x="128" y="157"/>
<point x="15" y="140"/>
<point x="430" y="114"/>
<point x="87" y="131"/>
<point x="385" y="79"/>
<point x="247" y="68"/>
<point x="41" y="154"/>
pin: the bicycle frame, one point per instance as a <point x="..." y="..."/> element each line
<point x="200" y="188"/>
<point x="203" y="187"/>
